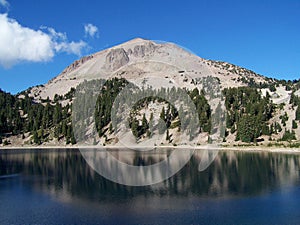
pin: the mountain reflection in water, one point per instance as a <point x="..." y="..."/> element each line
<point x="59" y="187"/>
<point x="232" y="174"/>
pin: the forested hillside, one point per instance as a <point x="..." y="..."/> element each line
<point x="34" y="122"/>
<point x="251" y="117"/>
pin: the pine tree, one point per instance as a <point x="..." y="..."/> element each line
<point x="145" y="125"/>
<point x="247" y="130"/>
<point x="265" y="130"/>
<point x="57" y="131"/>
<point x="167" y="135"/>
<point x="161" y="123"/>
<point x="278" y="127"/>
<point x="294" y="124"/>
<point x="42" y="133"/>
<point x="162" y="114"/>
<point x="298" y="113"/>
<point x="73" y="140"/>
<point x="36" y="139"/>
<point x="69" y="134"/>
<point x="174" y="112"/>
<point x="135" y="127"/>
<point x="151" y="126"/>
<point x="272" y="129"/>
<point x="57" y="115"/>
<point x="288" y="136"/>
<point x="161" y="126"/>
<point x="64" y="128"/>
<point x="110" y="128"/>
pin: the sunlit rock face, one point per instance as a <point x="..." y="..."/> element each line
<point x="116" y="58"/>
<point x="143" y="59"/>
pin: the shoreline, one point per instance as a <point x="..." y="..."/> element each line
<point x="231" y="148"/>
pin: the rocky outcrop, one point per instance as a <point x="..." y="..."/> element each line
<point x="116" y="58"/>
<point x="142" y="50"/>
<point x="77" y="64"/>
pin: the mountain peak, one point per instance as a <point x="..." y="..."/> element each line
<point x="142" y="58"/>
<point x="134" y="42"/>
<point x="137" y="40"/>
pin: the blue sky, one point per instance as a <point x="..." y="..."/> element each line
<point x="263" y="36"/>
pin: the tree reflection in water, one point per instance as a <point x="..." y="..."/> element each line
<point x="231" y="174"/>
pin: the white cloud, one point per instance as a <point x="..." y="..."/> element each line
<point x="70" y="47"/>
<point x="55" y="35"/>
<point x="4" y="4"/>
<point x="90" y="30"/>
<point x="18" y="43"/>
<point x="61" y="44"/>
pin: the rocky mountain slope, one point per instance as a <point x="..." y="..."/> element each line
<point x="154" y="65"/>
<point x="140" y="58"/>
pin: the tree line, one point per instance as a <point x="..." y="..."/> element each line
<point x="247" y="112"/>
<point x="20" y="114"/>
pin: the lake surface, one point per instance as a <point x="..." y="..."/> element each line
<point x="59" y="187"/>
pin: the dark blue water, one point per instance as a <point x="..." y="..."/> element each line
<point x="58" y="187"/>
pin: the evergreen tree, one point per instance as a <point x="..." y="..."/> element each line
<point x="288" y="136"/>
<point x="249" y="111"/>
<point x="266" y="130"/>
<point x="151" y="126"/>
<point x="36" y="138"/>
<point x="64" y="128"/>
<point x="20" y="115"/>
<point x="145" y="125"/>
<point x="278" y="127"/>
<point x="298" y="113"/>
<point x="135" y="127"/>
<point x="248" y="130"/>
<point x="272" y="129"/>
<point x="110" y="128"/>
<point x="168" y="136"/>
<point x="294" y="124"/>
<point x="161" y="123"/>
<point x="162" y="114"/>
<point x="57" y="115"/>
<point x="73" y="140"/>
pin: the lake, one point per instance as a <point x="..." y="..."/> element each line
<point x="58" y="187"/>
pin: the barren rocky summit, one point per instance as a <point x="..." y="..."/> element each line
<point x="139" y="58"/>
